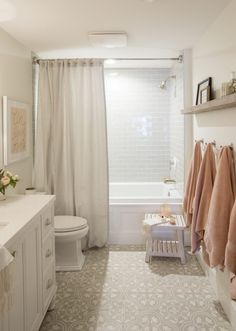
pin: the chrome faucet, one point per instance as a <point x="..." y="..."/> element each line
<point x="169" y="181"/>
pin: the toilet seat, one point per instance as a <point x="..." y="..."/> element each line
<point x="69" y="223"/>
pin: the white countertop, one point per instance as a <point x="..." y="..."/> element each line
<point x="18" y="210"/>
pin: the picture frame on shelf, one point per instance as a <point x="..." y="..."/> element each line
<point x="205" y="94"/>
<point x="202" y="86"/>
<point x="16" y="130"/>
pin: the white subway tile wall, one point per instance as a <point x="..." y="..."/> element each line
<point x="138" y="120"/>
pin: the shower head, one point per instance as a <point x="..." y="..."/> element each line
<point x="164" y="82"/>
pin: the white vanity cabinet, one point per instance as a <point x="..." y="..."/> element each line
<point x="14" y="319"/>
<point x="34" y="249"/>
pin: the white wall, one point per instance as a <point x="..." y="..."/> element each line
<point x="16" y="82"/>
<point x="215" y="55"/>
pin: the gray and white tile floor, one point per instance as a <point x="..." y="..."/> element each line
<point x="118" y="291"/>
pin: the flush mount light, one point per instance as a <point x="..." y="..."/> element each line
<point x="7" y="11"/>
<point x="108" y="39"/>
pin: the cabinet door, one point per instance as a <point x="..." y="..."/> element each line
<point x="16" y="313"/>
<point x="32" y="277"/>
<point x="13" y="320"/>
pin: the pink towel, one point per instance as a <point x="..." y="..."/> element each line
<point x="191" y="182"/>
<point x="222" y="200"/>
<point x="230" y="254"/>
<point x="202" y="198"/>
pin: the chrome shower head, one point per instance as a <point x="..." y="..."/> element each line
<point x="163" y="82"/>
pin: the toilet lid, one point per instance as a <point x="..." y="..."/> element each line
<point x="69" y="223"/>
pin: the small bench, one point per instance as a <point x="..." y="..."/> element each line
<point x="157" y="245"/>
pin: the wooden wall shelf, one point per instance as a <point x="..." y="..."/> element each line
<point x="228" y="101"/>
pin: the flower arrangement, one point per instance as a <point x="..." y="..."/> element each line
<point x="7" y="179"/>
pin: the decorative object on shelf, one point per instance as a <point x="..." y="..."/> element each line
<point x="205" y="84"/>
<point x="16" y="130"/>
<point x="232" y="83"/>
<point x="7" y="179"/>
<point x="228" y="87"/>
<point x="225" y="89"/>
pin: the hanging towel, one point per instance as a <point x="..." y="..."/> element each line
<point x="191" y="183"/>
<point x="230" y="253"/>
<point x="222" y="200"/>
<point x="5" y="279"/>
<point x="202" y="198"/>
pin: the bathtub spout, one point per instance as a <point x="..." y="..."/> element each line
<point x="169" y="181"/>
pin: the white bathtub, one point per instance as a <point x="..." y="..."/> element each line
<point x="143" y="193"/>
<point x="128" y="204"/>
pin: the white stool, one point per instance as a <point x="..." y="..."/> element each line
<point x="166" y="240"/>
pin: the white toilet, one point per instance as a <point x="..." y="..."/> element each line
<point x="69" y="230"/>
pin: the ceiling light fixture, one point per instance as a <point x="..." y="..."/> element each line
<point x="7" y="11"/>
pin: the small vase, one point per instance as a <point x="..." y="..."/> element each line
<point x="2" y="196"/>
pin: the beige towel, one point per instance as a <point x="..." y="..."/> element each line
<point x="191" y="182"/>
<point x="202" y="198"/>
<point x="222" y="200"/>
<point x="230" y="253"/>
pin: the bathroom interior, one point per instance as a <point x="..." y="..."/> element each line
<point x="117" y="175"/>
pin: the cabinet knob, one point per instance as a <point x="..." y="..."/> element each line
<point x="13" y="253"/>
<point x="48" y="222"/>
<point x="48" y="252"/>
<point x="49" y="284"/>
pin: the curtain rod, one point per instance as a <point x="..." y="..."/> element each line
<point x="179" y="59"/>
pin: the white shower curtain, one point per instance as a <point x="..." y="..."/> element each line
<point x="71" y="145"/>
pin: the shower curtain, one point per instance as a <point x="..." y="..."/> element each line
<point x="71" y="144"/>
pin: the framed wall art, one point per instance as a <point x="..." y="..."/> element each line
<point x="206" y="87"/>
<point x="16" y="130"/>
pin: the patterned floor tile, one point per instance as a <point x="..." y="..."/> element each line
<point x="117" y="291"/>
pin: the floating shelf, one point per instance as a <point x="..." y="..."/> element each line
<point x="228" y="101"/>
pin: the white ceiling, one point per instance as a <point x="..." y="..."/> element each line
<point x="59" y="28"/>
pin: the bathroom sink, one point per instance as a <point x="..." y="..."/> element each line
<point x="3" y="224"/>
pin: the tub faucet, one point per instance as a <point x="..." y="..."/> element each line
<point x="169" y="181"/>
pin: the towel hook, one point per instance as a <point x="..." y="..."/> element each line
<point x="230" y="146"/>
<point x="213" y="143"/>
<point x="199" y="141"/>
